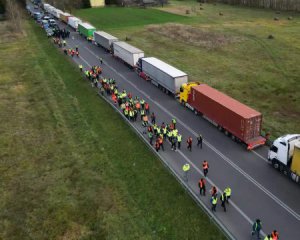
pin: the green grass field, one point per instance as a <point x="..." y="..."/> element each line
<point x="230" y="52"/>
<point x="70" y="166"/>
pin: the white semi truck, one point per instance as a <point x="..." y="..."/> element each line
<point x="284" y="155"/>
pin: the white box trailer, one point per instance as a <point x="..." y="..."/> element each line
<point x="104" y="39"/>
<point x="163" y="74"/>
<point x="73" y="22"/>
<point x="45" y="6"/>
<point x="56" y="13"/>
<point x="50" y="9"/>
<point x="127" y="53"/>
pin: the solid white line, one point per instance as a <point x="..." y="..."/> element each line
<point x="260" y="156"/>
<point x="230" y="162"/>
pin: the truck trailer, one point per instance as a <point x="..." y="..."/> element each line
<point x="104" y="40"/>
<point x="56" y="13"/>
<point x="64" y="17"/>
<point x="284" y="155"/>
<point x="73" y="22"/>
<point x="162" y="74"/>
<point x="127" y="53"/>
<point x="237" y="120"/>
<point x="86" y="30"/>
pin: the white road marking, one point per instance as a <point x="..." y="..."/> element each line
<point x="260" y="156"/>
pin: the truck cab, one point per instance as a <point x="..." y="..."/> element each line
<point x="284" y="155"/>
<point x="185" y="90"/>
<point x="282" y="149"/>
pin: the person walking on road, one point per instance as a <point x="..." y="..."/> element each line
<point x="214" y="201"/>
<point x="213" y="191"/>
<point x="256" y="227"/>
<point x="157" y="145"/>
<point x="223" y="199"/>
<point x="80" y="67"/>
<point x="153" y="118"/>
<point x="228" y="194"/>
<point x="275" y="235"/>
<point x="174" y="122"/>
<point x="189" y="142"/>
<point x="150" y="135"/>
<point x="186" y="168"/>
<point x="179" y="139"/>
<point x="202" y="187"/>
<point x="205" y="167"/>
<point x="173" y="143"/>
<point x="199" y="141"/>
<point x="161" y="142"/>
<point x="101" y="60"/>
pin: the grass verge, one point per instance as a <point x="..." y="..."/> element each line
<point x="70" y="167"/>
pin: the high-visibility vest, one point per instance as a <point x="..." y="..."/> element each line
<point x="222" y="198"/>
<point x="150" y="135"/>
<point x="201" y="183"/>
<point x="205" y="165"/>
<point x="179" y="138"/>
<point x="214" y="200"/>
<point x="165" y="131"/>
<point x="186" y="167"/>
<point x="160" y="140"/>
<point x="142" y="112"/>
<point x="228" y="191"/>
<point x="158" y="130"/>
<point x="274" y="235"/>
<point x="169" y="134"/>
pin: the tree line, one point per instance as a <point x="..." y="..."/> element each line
<point x="286" y="5"/>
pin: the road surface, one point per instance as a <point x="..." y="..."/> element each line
<point x="258" y="190"/>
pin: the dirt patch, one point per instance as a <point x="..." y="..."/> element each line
<point x="194" y="36"/>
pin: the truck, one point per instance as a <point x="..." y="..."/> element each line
<point x="56" y="13"/>
<point x="162" y="75"/>
<point x="240" y="122"/>
<point x="104" y="40"/>
<point x="86" y="30"/>
<point x="64" y="17"/>
<point x="129" y="54"/>
<point x="73" y="22"/>
<point x="284" y="155"/>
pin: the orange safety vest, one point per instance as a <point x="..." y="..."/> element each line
<point x="275" y="235"/>
<point x="205" y="165"/>
<point x="160" y="141"/>
<point x="146" y="106"/>
<point x="201" y="183"/>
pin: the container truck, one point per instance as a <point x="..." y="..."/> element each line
<point x="64" y="17"/>
<point x="284" y="155"/>
<point x="162" y="75"/>
<point x="127" y="53"/>
<point x="237" y="120"/>
<point x="73" y="22"/>
<point x="104" y="40"/>
<point x="86" y="30"/>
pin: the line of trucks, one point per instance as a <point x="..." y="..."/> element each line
<point x="242" y="123"/>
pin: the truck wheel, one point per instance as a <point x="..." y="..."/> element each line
<point x="183" y="103"/>
<point x="196" y="112"/>
<point x="220" y="128"/>
<point x="226" y="133"/>
<point x="233" y="138"/>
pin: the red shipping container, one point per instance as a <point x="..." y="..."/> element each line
<point x="238" y="119"/>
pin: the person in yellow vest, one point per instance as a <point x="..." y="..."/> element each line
<point x="186" y="168"/>
<point x="228" y="194"/>
<point x="214" y="201"/>
<point x="179" y="139"/>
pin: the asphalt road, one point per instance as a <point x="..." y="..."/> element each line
<point x="258" y="190"/>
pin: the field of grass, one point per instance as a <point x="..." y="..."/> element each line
<point x="260" y="72"/>
<point x="70" y="167"/>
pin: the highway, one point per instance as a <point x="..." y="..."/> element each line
<point x="258" y="190"/>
